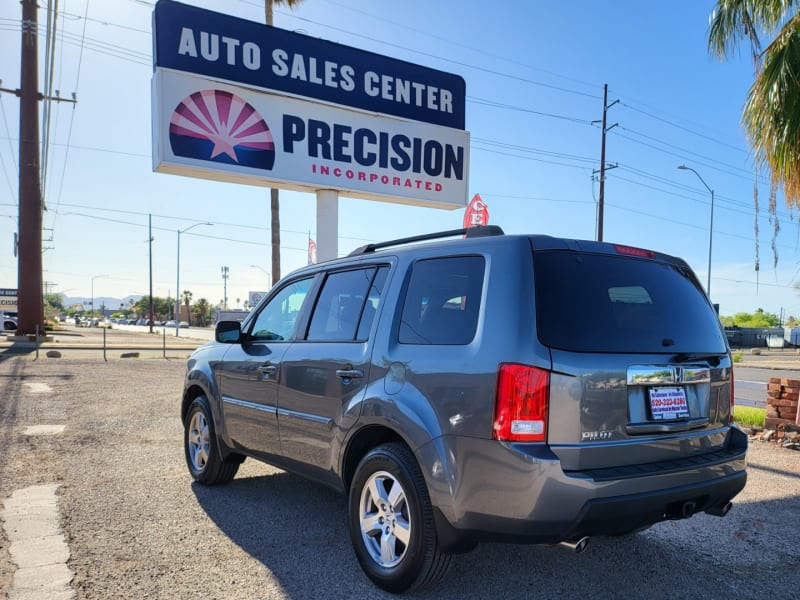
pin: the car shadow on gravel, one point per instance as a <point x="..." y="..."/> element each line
<point x="297" y="529"/>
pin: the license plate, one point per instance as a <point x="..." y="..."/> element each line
<point x="668" y="403"/>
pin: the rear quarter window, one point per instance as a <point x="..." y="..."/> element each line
<point x="608" y="303"/>
<point x="442" y="301"/>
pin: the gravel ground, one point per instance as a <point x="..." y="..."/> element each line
<point x="138" y="528"/>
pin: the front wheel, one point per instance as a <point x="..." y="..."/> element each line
<point x="391" y="521"/>
<point x="201" y="448"/>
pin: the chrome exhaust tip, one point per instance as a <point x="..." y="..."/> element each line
<point x="577" y="546"/>
<point x="719" y="511"/>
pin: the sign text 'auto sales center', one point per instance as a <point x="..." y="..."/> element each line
<point x="234" y="100"/>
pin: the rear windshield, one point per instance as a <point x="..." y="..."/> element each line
<point x="607" y="303"/>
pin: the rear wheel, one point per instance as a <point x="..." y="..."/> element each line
<point x="201" y="448"/>
<point x="391" y="521"/>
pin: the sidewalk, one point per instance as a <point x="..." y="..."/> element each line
<point x="783" y="359"/>
<point x="74" y="341"/>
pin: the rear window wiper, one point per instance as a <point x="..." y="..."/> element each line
<point x="713" y="358"/>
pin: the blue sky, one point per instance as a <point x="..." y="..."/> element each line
<point x="534" y="73"/>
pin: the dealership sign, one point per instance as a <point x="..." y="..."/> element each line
<point x="237" y="101"/>
<point x="8" y="299"/>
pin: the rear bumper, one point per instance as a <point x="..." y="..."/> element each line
<point x="491" y="491"/>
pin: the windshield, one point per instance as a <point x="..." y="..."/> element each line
<point x="608" y="303"/>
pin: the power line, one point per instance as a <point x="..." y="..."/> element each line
<point x="686" y="129"/>
<point x="448" y="60"/>
<point x="682" y="156"/>
<point x="71" y="122"/>
<point x="10" y="145"/>
<point x="549" y="162"/>
<point x="541" y="151"/>
<point x="106" y="23"/>
<point x="482" y="50"/>
<point x="649" y="137"/>
<point x="165" y="229"/>
<point x="494" y="104"/>
<point x="723" y="199"/>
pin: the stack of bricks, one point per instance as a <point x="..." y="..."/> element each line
<point x="782" y="400"/>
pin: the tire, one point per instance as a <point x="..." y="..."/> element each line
<point x="391" y="521"/>
<point x="201" y="447"/>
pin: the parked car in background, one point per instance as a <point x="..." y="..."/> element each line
<point x="492" y="387"/>
<point x="9" y="323"/>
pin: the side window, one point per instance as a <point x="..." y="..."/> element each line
<point x="340" y="304"/>
<point x="277" y="319"/>
<point x="442" y="301"/>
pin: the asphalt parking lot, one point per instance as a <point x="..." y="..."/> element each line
<point x="137" y="527"/>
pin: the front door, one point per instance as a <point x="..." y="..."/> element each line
<point x="251" y="372"/>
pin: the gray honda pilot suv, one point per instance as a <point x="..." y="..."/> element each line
<point x="519" y="388"/>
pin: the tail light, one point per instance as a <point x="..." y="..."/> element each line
<point x="520" y="412"/>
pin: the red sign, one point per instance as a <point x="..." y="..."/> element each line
<point x="477" y="212"/>
<point x="312" y="252"/>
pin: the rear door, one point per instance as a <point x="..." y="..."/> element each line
<point x="641" y="370"/>
<point x="325" y="373"/>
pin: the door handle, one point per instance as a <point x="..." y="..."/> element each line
<point x="348" y="374"/>
<point x="267" y="372"/>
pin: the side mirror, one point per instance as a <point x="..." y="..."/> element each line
<point x="228" y="332"/>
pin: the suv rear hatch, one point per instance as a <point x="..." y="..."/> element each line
<point x="641" y="371"/>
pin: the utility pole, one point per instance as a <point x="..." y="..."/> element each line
<point x="30" y="304"/>
<point x="225" y="276"/>
<point x="602" y="171"/>
<point x="274" y="203"/>
<point x="150" y="242"/>
<point x="29" y="273"/>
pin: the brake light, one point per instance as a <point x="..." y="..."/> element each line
<point x="520" y="412"/>
<point x="631" y="251"/>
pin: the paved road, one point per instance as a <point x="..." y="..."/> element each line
<point x="751" y="383"/>
<point x="138" y="528"/>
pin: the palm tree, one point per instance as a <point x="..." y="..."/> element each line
<point x="275" y="222"/>
<point x="201" y="309"/>
<point x="187" y="300"/>
<point x="771" y="114"/>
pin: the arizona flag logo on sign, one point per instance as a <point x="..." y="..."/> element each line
<point x="477" y="213"/>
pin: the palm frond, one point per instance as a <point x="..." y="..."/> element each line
<point x="730" y="24"/>
<point x="734" y="21"/>
<point x="772" y="110"/>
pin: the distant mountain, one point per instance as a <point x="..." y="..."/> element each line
<point x="107" y="301"/>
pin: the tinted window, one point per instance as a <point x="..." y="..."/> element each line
<point x="443" y="300"/>
<point x="340" y="304"/>
<point x="606" y="303"/>
<point x="277" y="319"/>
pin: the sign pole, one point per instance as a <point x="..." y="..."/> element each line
<point x="327" y="224"/>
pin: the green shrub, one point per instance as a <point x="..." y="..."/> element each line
<point x="737" y="356"/>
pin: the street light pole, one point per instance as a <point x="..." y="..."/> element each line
<point x="178" y="278"/>
<point x="710" y="226"/>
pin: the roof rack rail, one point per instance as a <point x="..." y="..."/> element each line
<point x="470" y="232"/>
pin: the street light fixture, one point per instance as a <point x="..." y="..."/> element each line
<point x="267" y="273"/>
<point x="710" y="226"/>
<point x="92" y="303"/>
<point x="178" y="277"/>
